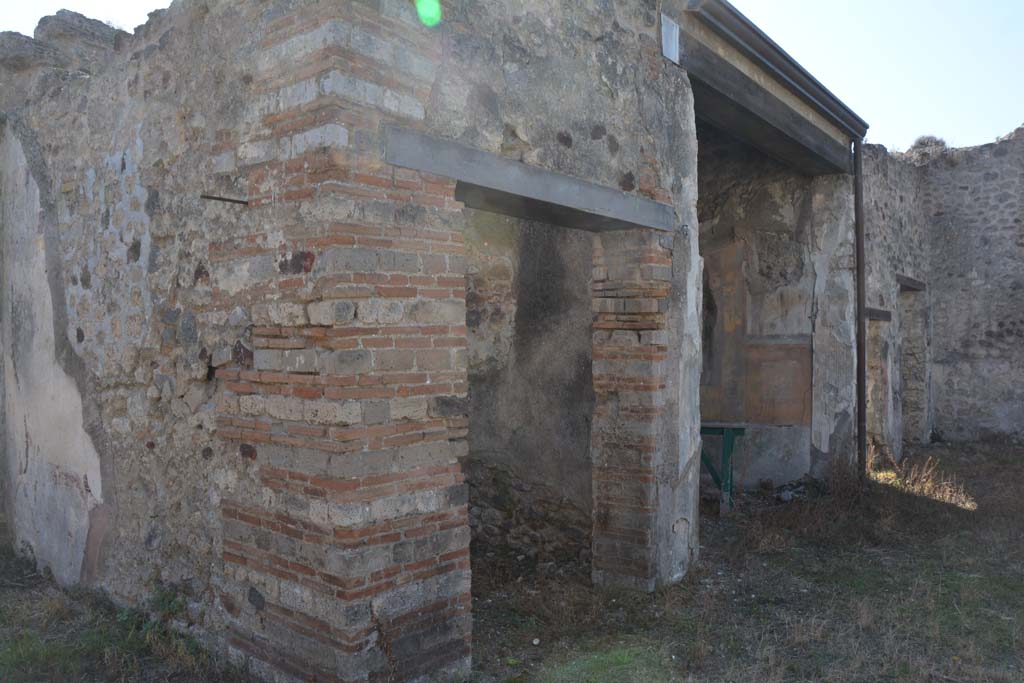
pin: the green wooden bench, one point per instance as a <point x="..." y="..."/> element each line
<point x="723" y="478"/>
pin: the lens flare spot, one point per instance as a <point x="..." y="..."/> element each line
<point x="429" y="12"/>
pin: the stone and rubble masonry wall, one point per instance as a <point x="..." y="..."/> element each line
<point x="949" y="364"/>
<point x="67" y="47"/>
<point x="284" y="383"/>
<point x="896" y="226"/>
<point x="974" y="200"/>
<point x="619" y="115"/>
<point x="274" y="395"/>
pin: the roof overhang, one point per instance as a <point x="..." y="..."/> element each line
<point x="747" y="85"/>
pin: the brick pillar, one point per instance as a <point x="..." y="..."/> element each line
<point x="640" y="485"/>
<point x="345" y="530"/>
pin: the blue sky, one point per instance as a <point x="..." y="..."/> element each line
<point x="951" y="68"/>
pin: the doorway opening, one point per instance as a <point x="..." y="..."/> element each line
<point x="883" y="397"/>
<point x="915" y="373"/>
<point x="528" y="313"/>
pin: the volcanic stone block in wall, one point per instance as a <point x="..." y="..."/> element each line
<point x="251" y="288"/>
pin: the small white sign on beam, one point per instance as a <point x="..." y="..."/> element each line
<point x="670" y="39"/>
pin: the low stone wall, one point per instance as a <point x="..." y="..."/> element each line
<point x="511" y="516"/>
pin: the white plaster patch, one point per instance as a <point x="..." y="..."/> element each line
<point x="54" y="467"/>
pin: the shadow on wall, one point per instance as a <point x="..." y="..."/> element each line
<point x="531" y="393"/>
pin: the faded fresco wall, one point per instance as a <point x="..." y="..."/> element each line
<point x="530" y="386"/>
<point x="975" y="203"/>
<point x="776" y="246"/>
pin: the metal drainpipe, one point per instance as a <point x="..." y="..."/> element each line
<point x="862" y="346"/>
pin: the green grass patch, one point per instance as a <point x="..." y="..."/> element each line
<point x="623" y="664"/>
<point x="979" y="615"/>
<point x="55" y="635"/>
<point x="28" y="656"/>
<point x="839" y="571"/>
<point x="99" y="646"/>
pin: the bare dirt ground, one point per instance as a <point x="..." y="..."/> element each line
<point x="920" y="579"/>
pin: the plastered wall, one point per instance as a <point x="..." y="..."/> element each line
<point x="53" y="471"/>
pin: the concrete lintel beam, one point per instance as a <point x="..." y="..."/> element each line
<point x="878" y="314"/>
<point x="490" y="182"/>
<point x="909" y="284"/>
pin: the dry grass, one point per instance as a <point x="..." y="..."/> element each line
<point x="48" y="634"/>
<point x="899" y="502"/>
<point x="916" y="577"/>
<point x="922" y="478"/>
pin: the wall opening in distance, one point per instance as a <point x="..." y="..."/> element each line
<point x="915" y="373"/>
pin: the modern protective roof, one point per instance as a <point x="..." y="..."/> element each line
<point x="734" y="27"/>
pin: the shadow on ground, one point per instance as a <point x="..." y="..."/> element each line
<point x="918" y="579"/>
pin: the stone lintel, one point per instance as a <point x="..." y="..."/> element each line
<point x="878" y="314"/>
<point x="909" y="284"/>
<point x="490" y="182"/>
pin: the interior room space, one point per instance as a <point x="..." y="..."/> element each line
<point x="756" y="238"/>
<point x="531" y="391"/>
